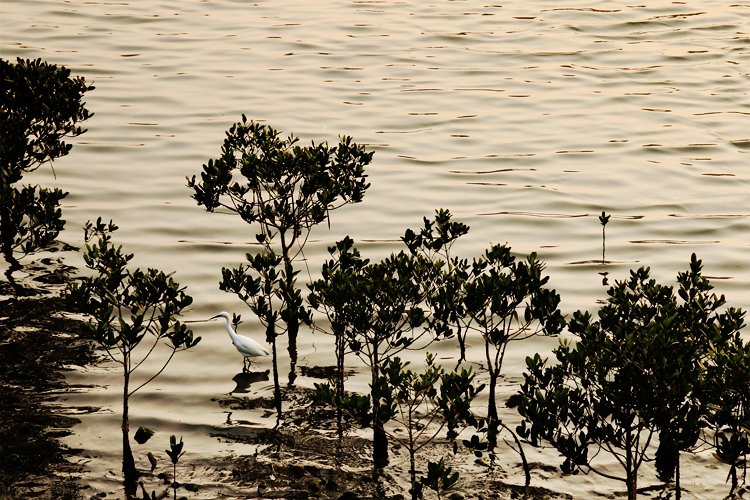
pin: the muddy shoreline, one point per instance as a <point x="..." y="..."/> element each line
<point x="38" y="344"/>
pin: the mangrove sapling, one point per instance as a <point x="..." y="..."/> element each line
<point x="609" y="391"/>
<point x="419" y="409"/>
<point x="387" y="318"/>
<point x="125" y="305"/>
<point x="283" y="189"/>
<point x="505" y="301"/>
<point x="40" y="106"/>
<point x="330" y="295"/>
<point x="434" y="242"/>
<point x="412" y="392"/>
<point x="384" y="315"/>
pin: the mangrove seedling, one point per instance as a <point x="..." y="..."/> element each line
<point x="132" y="312"/>
<point x="40" y="106"/>
<point x="174" y="453"/>
<point x="440" y="479"/>
<point x="603" y="219"/>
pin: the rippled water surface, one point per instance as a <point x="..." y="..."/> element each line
<point x="525" y="118"/>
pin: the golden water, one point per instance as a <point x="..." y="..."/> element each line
<point x="525" y="118"/>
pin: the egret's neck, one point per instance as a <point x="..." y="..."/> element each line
<point x="230" y="330"/>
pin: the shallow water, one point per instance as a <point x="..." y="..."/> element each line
<point x="525" y="119"/>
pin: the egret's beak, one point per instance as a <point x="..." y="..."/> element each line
<point x="197" y="320"/>
<point x="213" y="317"/>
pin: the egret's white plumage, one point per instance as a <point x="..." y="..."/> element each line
<point x="245" y="345"/>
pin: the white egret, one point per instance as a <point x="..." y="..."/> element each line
<point x="245" y="345"/>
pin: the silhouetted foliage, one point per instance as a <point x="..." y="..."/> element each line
<point x="702" y="332"/>
<point x="729" y="413"/>
<point x="40" y="106"/>
<point x="382" y="315"/>
<point x="387" y="317"/>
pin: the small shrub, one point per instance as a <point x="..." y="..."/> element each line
<point x="132" y="312"/>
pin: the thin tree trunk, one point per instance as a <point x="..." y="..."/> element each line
<point x="632" y="482"/>
<point x="292" y="330"/>
<point x="631" y="476"/>
<point x="379" y="437"/>
<point x="412" y="461"/>
<point x="128" y="463"/>
<point x="491" y="405"/>
<point x="276" y="384"/>
<point x="492" y="413"/>
<point x="340" y="346"/>
<point x="293" y="325"/>
<point x="379" y="444"/>
<point x="339" y="384"/>
<point x="174" y="478"/>
<point x="678" y="489"/>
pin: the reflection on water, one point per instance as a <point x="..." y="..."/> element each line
<point x="246" y="378"/>
<point x="525" y="119"/>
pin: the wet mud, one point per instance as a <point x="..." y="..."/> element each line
<point x="38" y="344"/>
